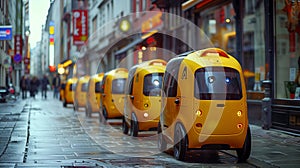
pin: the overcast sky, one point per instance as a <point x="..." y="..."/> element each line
<point x="38" y="10"/>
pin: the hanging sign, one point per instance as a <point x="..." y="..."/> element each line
<point x="80" y="27"/>
<point x="5" y="32"/>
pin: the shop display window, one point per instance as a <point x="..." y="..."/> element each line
<point x="287" y="64"/>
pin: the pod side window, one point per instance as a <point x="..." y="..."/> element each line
<point x="98" y="87"/>
<point x="72" y="87"/>
<point x="170" y="78"/>
<point x="89" y="84"/>
<point x="103" y="84"/>
<point x="217" y="83"/>
<point x="130" y="78"/>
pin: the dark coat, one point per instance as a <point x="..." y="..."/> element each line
<point x="44" y="83"/>
<point x="34" y="84"/>
<point x="56" y="82"/>
<point x="23" y="83"/>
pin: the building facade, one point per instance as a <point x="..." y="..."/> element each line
<point x="13" y="13"/>
<point x="104" y="37"/>
<point x="263" y="36"/>
<point x="144" y="39"/>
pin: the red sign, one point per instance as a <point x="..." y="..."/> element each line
<point x="18" y="48"/>
<point x="27" y="69"/>
<point x="26" y="61"/>
<point x="52" y="68"/>
<point x="80" y="27"/>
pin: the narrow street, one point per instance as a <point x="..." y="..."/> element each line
<point x="41" y="133"/>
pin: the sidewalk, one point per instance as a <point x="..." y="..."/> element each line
<point x="275" y="147"/>
<point x="271" y="148"/>
<point x="13" y="130"/>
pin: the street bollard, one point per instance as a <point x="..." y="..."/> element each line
<point x="266" y="105"/>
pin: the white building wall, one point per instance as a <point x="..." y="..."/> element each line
<point x="35" y="61"/>
<point x="107" y="13"/>
<point x="45" y="52"/>
<point x="56" y="17"/>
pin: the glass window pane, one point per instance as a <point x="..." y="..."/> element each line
<point x="287" y="34"/>
<point x="152" y="84"/>
<point x="84" y="87"/>
<point x="118" y="86"/>
<point x="217" y="83"/>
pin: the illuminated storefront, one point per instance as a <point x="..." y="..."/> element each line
<point x="286" y="104"/>
<point x="217" y="20"/>
<point x="265" y="37"/>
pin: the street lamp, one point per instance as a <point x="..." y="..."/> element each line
<point x="27" y="50"/>
<point x="27" y="33"/>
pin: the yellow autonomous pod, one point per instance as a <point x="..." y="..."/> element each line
<point x="204" y="104"/>
<point x="68" y="96"/>
<point x="112" y="93"/>
<point x="143" y="97"/>
<point x="80" y="92"/>
<point x="93" y="95"/>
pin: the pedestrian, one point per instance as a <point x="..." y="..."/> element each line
<point x="56" y="86"/>
<point x="34" y="84"/>
<point x="44" y="84"/>
<point x="28" y="79"/>
<point x="23" y="86"/>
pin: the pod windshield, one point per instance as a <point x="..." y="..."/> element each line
<point x="152" y="84"/>
<point x="84" y="87"/>
<point x="118" y="86"/>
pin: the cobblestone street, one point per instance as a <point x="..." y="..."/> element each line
<point x="41" y="133"/>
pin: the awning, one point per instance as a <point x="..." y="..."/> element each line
<point x="187" y="5"/>
<point x="65" y="63"/>
<point x="132" y="44"/>
<point x="201" y="4"/>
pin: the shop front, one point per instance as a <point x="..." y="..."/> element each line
<point x="286" y="104"/>
<point x="144" y="40"/>
<point x="265" y="37"/>
<point x="238" y="28"/>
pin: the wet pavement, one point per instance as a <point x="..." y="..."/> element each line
<point x="41" y="133"/>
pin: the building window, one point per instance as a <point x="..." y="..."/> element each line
<point x="250" y="4"/>
<point x="287" y="56"/>
<point x="219" y="24"/>
<point x="220" y="33"/>
<point x="108" y="12"/>
<point x="112" y="9"/>
<point x="144" y="5"/>
<point x="137" y="7"/>
<point x="254" y="48"/>
<point x="94" y="22"/>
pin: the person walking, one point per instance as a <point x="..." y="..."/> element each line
<point x="44" y="84"/>
<point x="34" y="84"/>
<point x="56" y="86"/>
<point x="28" y="80"/>
<point x="23" y="86"/>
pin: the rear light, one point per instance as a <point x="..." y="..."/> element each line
<point x="239" y="113"/>
<point x="198" y="113"/>
<point x="199" y="125"/>
<point x="239" y="126"/>
<point x="214" y="51"/>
